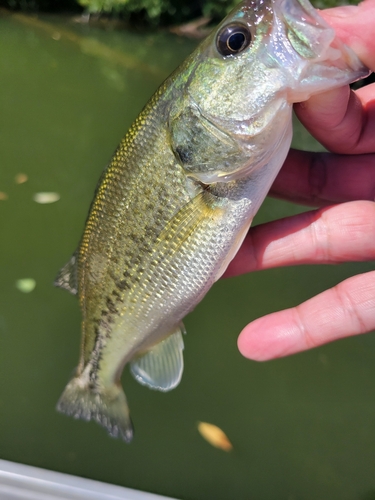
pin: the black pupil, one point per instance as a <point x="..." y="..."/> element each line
<point x="235" y="41"/>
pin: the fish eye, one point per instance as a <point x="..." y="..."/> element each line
<point x="232" y="39"/>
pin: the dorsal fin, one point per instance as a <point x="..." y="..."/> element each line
<point x="162" y="366"/>
<point x="67" y="277"/>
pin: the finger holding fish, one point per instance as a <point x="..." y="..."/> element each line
<point x="353" y="24"/>
<point x="342" y="119"/>
<point x="321" y="179"/>
<point x="330" y="235"/>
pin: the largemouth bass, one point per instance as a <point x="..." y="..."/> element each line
<point x="178" y="197"/>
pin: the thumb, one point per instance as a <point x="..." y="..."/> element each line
<point x="342" y="120"/>
<point x="354" y="25"/>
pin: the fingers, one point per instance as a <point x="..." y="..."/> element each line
<point x="347" y="309"/>
<point x="324" y="178"/>
<point x="341" y="233"/>
<point x="343" y="120"/>
<point x="354" y="25"/>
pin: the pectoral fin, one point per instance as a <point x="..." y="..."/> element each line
<point x="162" y="366"/>
<point x="67" y="277"/>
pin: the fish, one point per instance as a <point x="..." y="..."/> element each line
<point x="177" y="199"/>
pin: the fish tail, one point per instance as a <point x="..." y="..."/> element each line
<point x="108" y="407"/>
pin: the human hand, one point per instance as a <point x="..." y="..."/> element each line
<point x="344" y="122"/>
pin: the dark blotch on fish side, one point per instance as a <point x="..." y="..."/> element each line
<point x="123" y="285"/>
<point x="184" y="154"/>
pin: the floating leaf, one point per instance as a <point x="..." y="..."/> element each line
<point x="46" y="197"/>
<point x="21" y="178"/>
<point x="3" y="196"/>
<point x="26" y="285"/>
<point x="215" y="436"/>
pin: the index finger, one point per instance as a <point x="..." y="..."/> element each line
<point x="342" y="120"/>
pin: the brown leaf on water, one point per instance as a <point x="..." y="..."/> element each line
<point x="3" y="196"/>
<point x="20" y="178"/>
<point x="215" y="436"/>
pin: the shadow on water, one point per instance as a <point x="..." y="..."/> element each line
<point x="90" y="46"/>
<point x="368" y="496"/>
<point x="302" y="428"/>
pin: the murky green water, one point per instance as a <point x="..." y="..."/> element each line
<point x="303" y="428"/>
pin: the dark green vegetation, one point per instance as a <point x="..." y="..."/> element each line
<point x="146" y="11"/>
<point x="303" y="428"/>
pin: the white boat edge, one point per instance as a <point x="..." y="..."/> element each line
<point x="25" y="482"/>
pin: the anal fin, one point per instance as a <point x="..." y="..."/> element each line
<point x="162" y="366"/>
<point x="67" y="277"/>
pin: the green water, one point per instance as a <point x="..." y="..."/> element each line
<point x="303" y="428"/>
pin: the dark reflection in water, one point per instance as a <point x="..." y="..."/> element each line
<point x="302" y="428"/>
<point x="368" y="496"/>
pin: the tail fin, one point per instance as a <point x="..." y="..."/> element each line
<point x="108" y="407"/>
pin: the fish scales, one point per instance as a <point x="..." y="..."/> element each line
<point x="178" y="197"/>
<point x="134" y="220"/>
